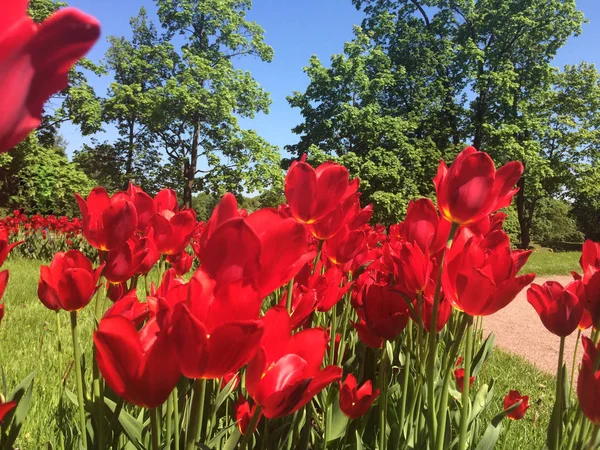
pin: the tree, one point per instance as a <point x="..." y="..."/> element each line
<point x="138" y="65"/>
<point x="195" y="111"/>
<point x="41" y="180"/>
<point x="457" y="72"/>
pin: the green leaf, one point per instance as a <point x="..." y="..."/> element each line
<point x="225" y="392"/>
<point x="359" y="442"/>
<point x="232" y="442"/>
<point x="492" y="432"/>
<point x="133" y="428"/>
<point x="22" y="396"/>
<point x="339" y="423"/>
<point x="482" y="355"/>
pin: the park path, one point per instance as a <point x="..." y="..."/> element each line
<point x="519" y="330"/>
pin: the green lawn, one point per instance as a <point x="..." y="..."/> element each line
<point x="28" y="337"/>
<point x="552" y="263"/>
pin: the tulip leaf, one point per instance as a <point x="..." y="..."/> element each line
<point x="492" y="432"/>
<point x="232" y="442"/>
<point x="133" y="428"/>
<point x="22" y="396"/>
<point x="217" y="438"/>
<point x="483" y="354"/>
<point x="225" y="392"/>
<point x="482" y="400"/>
<point x="338" y="423"/>
<point x="359" y="442"/>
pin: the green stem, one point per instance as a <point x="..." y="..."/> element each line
<point x="288" y="300"/>
<point x="506" y="434"/>
<point x="466" y="399"/>
<point x="433" y="342"/>
<point x="79" y="378"/>
<point x="176" y="418"/>
<point x="574" y="361"/>
<point x="557" y="419"/>
<point x="383" y="383"/>
<point x="154" y="428"/>
<point x="443" y="407"/>
<point x="196" y="414"/>
<point x="250" y="429"/>
<point x="577" y="427"/>
<point x="592" y="444"/>
<point x="169" y="419"/>
<point x="59" y="348"/>
<point x="406" y="376"/>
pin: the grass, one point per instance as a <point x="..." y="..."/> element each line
<point x="552" y="263"/>
<point x="28" y="337"/>
<point x="511" y="372"/>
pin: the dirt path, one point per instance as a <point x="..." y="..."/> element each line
<point x="519" y="330"/>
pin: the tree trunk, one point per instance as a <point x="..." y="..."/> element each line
<point x="479" y="120"/>
<point x="129" y="161"/>
<point x="525" y="216"/>
<point x="190" y="168"/>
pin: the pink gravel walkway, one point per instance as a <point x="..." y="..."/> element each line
<point x="519" y="330"/>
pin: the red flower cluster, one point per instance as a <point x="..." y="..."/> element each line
<point x="20" y="223"/>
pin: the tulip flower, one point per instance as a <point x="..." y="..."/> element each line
<point x="588" y="382"/>
<point x="108" y="222"/>
<point x="472" y="188"/>
<point x="243" y="415"/>
<point x="122" y="263"/>
<point x="424" y="227"/>
<point x="173" y="231"/>
<point x="444" y="308"/>
<point x="115" y="291"/>
<point x="348" y="212"/>
<point x="459" y="375"/>
<point x="69" y="282"/>
<point x="355" y="401"/>
<point x="304" y="303"/>
<point x="559" y="308"/>
<point x="215" y="329"/>
<point x="34" y="63"/>
<point x="140" y="367"/>
<point x="131" y="308"/>
<point x="314" y="193"/>
<point x="514" y="397"/>
<point x="146" y="245"/>
<point x="590" y="263"/>
<point x="144" y="206"/>
<point x="3" y="283"/>
<point x="285" y="374"/>
<point x="264" y="249"/>
<point x="166" y="200"/>
<point x="345" y="245"/>
<point x="386" y="311"/>
<point x="480" y="274"/>
<point x="5" y="247"/>
<point x="412" y="268"/>
<point x="181" y="262"/>
<point x="5" y="408"/>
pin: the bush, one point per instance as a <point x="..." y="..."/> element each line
<point x="553" y="226"/>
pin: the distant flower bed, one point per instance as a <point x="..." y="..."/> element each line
<point x="42" y="236"/>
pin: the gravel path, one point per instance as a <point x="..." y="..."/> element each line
<point x="519" y="330"/>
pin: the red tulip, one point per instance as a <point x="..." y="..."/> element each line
<point x="285" y="374"/>
<point x="3" y="283"/>
<point x="215" y="329"/>
<point x="345" y="245"/>
<point x="386" y="311"/>
<point x="173" y="231"/>
<point x="181" y="262"/>
<point x="355" y="401"/>
<point x="34" y="62"/>
<point x="514" y="397"/>
<point x="123" y="262"/>
<point x="480" y="274"/>
<point x="140" y="367"/>
<point x="424" y="227"/>
<point x="304" y="303"/>
<point x="107" y="222"/>
<point x="412" y="268"/>
<point x="472" y="188"/>
<point x="590" y="263"/>
<point x="588" y="382"/>
<point x="368" y="337"/>
<point x="586" y="320"/>
<point x="559" y="308"/>
<point x="144" y="206"/>
<point x="131" y="308"/>
<point x="244" y="413"/>
<point x="146" y="246"/>
<point x="69" y="282"/>
<point x="312" y="194"/>
<point x="166" y="200"/>
<point x="115" y="291"/>
<point x="263" y="249"/>
<point x="347" y="212"/>
<point x="459" y="375"/>
<point x="444" y="308"/>
<point x="5" y="408"/>
<point x="5" y="247"/>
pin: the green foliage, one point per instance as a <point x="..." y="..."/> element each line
<point x="553" y="224"/>
<point x="41" y="180"/>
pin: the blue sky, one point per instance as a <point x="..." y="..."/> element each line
<point x="296" y="30"/>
